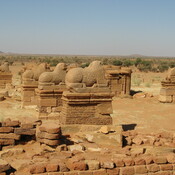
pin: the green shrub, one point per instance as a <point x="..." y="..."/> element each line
<point x="117" y="63"/>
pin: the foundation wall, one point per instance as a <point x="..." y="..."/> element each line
<point x="5" y="78"/>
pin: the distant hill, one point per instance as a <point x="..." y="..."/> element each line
<point x="1" y="52"/>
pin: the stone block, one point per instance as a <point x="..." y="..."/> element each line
<point x="55" y="173"/>
<point x="141" y="169"/>
<point x="114" y="171"/>
<point x="119" y="162"/>
<point x="76" y="166"/>
<point x="52" y="167"/>
<point x="11" y="123"/>
<point x="4" y="166"/>
<point x="7" y="142"/>
<point x="10" y="136"/>
<point x="47" y="102"/>
<point x="37" y="168"/>
<point x="167" y="91"/>
<point x="128" y="161"/>
<point x="100" y="172"/>
<point x="127" y="171"/>
<point x="27" y="125"/>
<point x="45" y="135"/>
<point x="139" y="161"/>
<point x="160" y="159"/>
<point x="166" y="167"/>
<point x="6" y="129"/>
<point x="93" y="164"/>
<point x="50" y="142"/>
<point x="165" y="99"/>
<point x="50" y="128"/>
<point x="21" y="131"/>
<point x="153" y="168"/>
<point x="85" y="173"/>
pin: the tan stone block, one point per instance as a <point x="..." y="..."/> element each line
<point x="6" y="129"/>
<point x="45" y="135"/>
<point x="50" y="142"/>
<point x="128" y="161"/>
<point x="114" y="171"/>
<point x="7" y="141"/>
<point x="85" y="173"/>
<point x="4" y="166"/>
<point x="141" y="169"/>
<point x="47" y="102"/>
<point x="160" y="159"/>
<point x="153" y="168"/>
<point x="166" y="167"/>
<point x="37" y="168"/>
<point x="76" y="166"/>
<point x="100" y="172"/>
<point x="165" y="99"/>
<point x="11" y="123"/>
<point x="52" y="129"/>
<point x="10" y="136"/>
<point x="119" y="163"/>
<point x="127" y="171"/>
<point x="52" y="167"/>
<point x="55" y="173"/>
<point x="139" y="161"/>
<point x="104" y="108"/>
<point x="26" y="125"/>
<point x="70" y="173"/>
<point x="21" y="131"/>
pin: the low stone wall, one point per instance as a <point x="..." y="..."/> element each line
<point x="153" y="139"/>
<point x="11" y="132"/>
<point x="147" y="165"/>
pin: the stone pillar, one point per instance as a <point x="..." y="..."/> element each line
<point x="86" y="108"/>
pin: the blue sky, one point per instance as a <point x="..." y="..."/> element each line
<point x="92" y="27"/>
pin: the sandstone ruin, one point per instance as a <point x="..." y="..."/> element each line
<point x="49" y="92"/>
<point x="119" y="80"/>
<point x="30" y="83"/>
<point x="5" y="75"/>
<point x="167" y="91"/>
<point x="88" y="99"/>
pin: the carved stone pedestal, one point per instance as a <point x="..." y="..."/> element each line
<point x="86" y="108"/>
<point x="28" y="93"/>
<point x="119" y="80"/>
<point x="49" y="101"/>
<point x="5" y="77"/>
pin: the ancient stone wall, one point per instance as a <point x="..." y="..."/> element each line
<point x="119" y="80"/>
<point x="30" y="83"/>
<point x="49" y="92"/>
<point x="5" y="75"/>
<point x="11" y="132"/>
<point x="88" y="99"/>
<point x="167" y="91"/>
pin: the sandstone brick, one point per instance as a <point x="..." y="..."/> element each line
<point x="38" y="168"/>
<point x="27" y="125"/>
<point x="93" y="164"/>
<point x="78" y="166"/>
<point x="7" y="141"/>
<point x="148" y="160"/>
<point x="153" y="168"/>
<point x="166" y="167"/>
<point x="128" y="161"/>
<point x="10" y="136"/>
<point x="4" y="166"/>
<point x="63" y="167"/>
<point x="114" y="171"/>
<point x="171" y="158"/>
<point x="141" y="169"/>
<point x="107" y="165"/>
<point x="100" y="172"/>
<point x="139" y="161"/>
<point x="164" y="173"/>
<point x="50" y="129"/>
<point x="85" y="173"/>
<point x="50" y="142"/>
<point x="6" y="129"/>
<point x="55" y="173"/>
<point x="11" y="123"/>
<point x="127" y="171"/>
<point x="52" y="167"/>
<point x="119" y="163"/>
<point x="22" y="131"/>
<point x="45" y="135"/>
<point x="160" y="159"/>
<point x="71" y="173"/>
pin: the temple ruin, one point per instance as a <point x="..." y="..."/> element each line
<point x="88" y="99"/>
<point x="167" y="91"/>
<point x="119" y="80"/>
<point x="30" y="83"/>
<point x="5" y="75"/>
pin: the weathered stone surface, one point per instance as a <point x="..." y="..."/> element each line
<point x="37" y="168"/>
<point x="114" y="171"/>
<point x="11" y="152"/>
<point x="127" y="171"/>
<point x="45" y="135"/>
<point x="76" y="148"/>
<point x="7" y="141"/>
<point x="107" y="165"/>
<point x="166" y="167"/>
<point x="11" y="123"/>
<point x="50" y="128"/>
<point x="27" y="125"/>
<point x="21" y="131"/>
<point x="141" y="169"/>
<point x="10" y="136"/>
<point x="153" y="168"/>
<point x="4" y="166"/>
<point x="50" y="142"/>
<point x="6" y="129"/>
<point x="52" y="167"/>
<point x="100" y="172"/>
<point x="93" y="164"/>
<point x="160" y="159"/>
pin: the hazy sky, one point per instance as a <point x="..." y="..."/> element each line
<point x="100" y="27"/>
